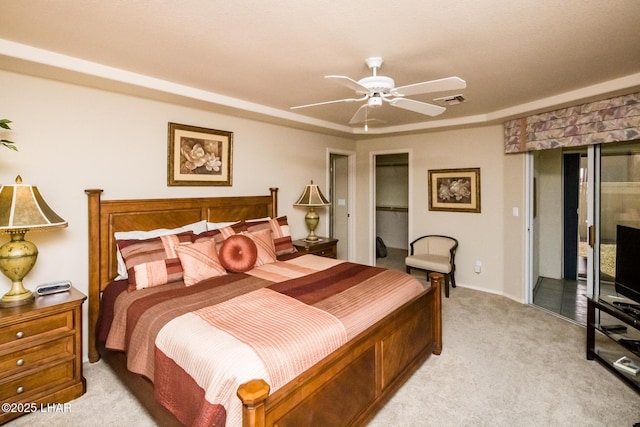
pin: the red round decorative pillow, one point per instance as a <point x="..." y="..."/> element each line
<point x="238" y="253"/>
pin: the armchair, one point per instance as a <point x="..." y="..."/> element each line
<point x="434" y="253"/>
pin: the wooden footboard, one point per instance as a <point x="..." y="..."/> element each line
<point x="348" y="387"/>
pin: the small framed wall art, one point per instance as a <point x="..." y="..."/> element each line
<point x="454" y="190"/>
<point x="199" y="156"/>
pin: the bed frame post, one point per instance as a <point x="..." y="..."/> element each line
<point x="94" y="270"/>
<point x="274" y="202"/>
<point x="253" y="395"/>
<point x="436" y="280"/>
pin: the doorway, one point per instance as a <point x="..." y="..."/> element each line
<point x="341" y="194"/>
<point x="391" y="224"/>
<point x="580" y="195"/>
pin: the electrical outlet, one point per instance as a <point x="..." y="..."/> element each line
<point x="478" y="267"/>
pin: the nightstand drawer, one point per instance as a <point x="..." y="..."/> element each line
<point x="32" y="328"/>
<point x="324" y="246"/>
<point x="22" y="360"/>
<point x="329" y="253"/>
<point x="13" y="388"/>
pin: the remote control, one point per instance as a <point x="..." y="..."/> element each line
<point x="615" y="329"/>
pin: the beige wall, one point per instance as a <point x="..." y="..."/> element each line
<point x="495" y="237"/>
<point x="547" y="225"/>
<point x="73" y="137"/>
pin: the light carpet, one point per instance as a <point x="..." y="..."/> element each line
<point x="502" y="364"/>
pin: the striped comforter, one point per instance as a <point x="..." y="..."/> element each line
<point x="199" y="343"/>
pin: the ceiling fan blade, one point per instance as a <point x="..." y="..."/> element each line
<point x="449" y="83"/>
<point x="328" y="102"/>
<point x="360" y="116"/>
<point x="350" y="83"/>
<point x="417" y="106"/>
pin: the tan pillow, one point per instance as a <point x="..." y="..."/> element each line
<point x="220" y="234"/>
<point x="264" y="243"/>
<point x="153" y="262"/>
<point x="281" y="234"/>
<point x="199" y="261"/>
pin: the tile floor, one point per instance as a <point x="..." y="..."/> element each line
<point x="563" y="297"/>
<point x="566" y="297"/>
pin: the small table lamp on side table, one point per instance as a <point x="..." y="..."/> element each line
<point x="311" y="198"/>
<point x="22" y="208"/>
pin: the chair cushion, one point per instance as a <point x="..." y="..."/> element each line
<point x="437" y="263"/>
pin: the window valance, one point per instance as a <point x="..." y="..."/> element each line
<point x="610" y="120"/>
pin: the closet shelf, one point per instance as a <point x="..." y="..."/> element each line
<point x="392" y="208"/>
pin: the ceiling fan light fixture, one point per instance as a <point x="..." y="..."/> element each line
<point x="375" y="100"/>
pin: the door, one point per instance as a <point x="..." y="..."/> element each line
<point x="571" y="196"/>
<point x="339" y="198"/>
<point x="618" y="194"/>
<point x="580" y="196"/>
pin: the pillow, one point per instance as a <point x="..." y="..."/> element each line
<point x="281" y="234"/>
<point x="196" y="227"/>
<point x="220" y="234"/>
<point x="217" y="225"/>
<point x="199" y="261"/>
<point x="153" y="262"/>
<point x="264" y="243"/>
<point x="238" y="253"/>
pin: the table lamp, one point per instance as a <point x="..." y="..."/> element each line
<point x="311" y="198"/>
<point x="22" y="208"/>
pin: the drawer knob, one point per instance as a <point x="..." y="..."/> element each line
<point x="20" y="390"/>
<point x="19" y="334"/>
<point x="20" y="362"/>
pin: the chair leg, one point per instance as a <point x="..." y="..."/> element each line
<point x="446" y="285"/>
<point x="453" y="279"/>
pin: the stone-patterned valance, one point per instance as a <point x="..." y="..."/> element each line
<point x="610" y="120"/>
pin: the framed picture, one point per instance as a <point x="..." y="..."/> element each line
<point x="454" y="190"/>
<point x="199" y="156"/>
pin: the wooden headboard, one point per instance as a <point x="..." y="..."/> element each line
<point x="107" y="217"/>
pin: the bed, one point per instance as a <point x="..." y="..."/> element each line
<point x="346" y="386"/>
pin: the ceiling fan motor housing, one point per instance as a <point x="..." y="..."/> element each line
<point x="377" y="84"/>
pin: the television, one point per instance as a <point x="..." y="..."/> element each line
<point x="627" y="280"/>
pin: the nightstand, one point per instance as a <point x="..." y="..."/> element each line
<point x="325" y="246"/>
<point x="41" y="353"/>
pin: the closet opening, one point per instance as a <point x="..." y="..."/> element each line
<point x="391" y="209"/>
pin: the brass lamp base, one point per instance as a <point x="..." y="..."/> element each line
<point x="17" y="258"/>
<point x="312" y="218"/>
<point x="17" y="298"/>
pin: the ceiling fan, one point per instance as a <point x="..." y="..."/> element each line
<point x="376" y="90"/>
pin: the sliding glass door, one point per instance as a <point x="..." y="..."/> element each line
<point x="580" y="195"/>
<point x="619" y="197"/>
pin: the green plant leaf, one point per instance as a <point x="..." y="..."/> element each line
<point x="4" y="123"/>
<point x="9" y="145"/>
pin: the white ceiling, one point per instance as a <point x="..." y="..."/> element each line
<point x="264" y="57"/>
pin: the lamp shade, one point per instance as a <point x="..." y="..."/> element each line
<point x="311" y="196"/>
<point x="22" y="207"/>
